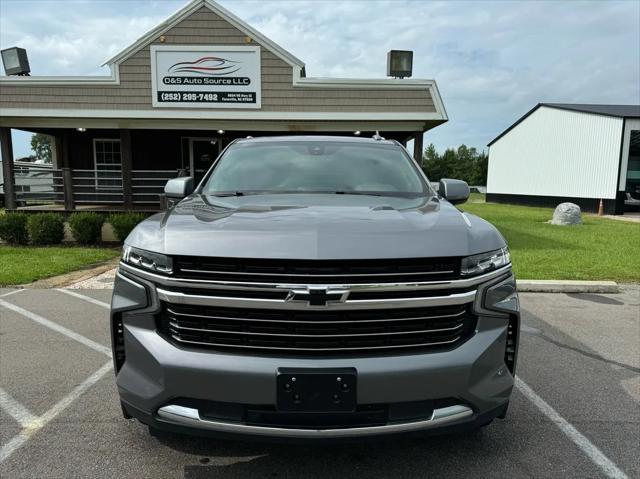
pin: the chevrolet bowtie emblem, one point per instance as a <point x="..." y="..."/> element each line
<point x="317" y="296"/>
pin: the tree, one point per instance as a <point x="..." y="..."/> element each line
<point x="463" y="163"/>
<point x="41" y="146"/>
<point x="434" y="165"/>
<point x="431" y="154"/>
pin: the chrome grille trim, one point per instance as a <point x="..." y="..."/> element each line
<point x="264" y="303"/>
<point x="287" y="335"/>
<point x="227" y="318"/>
<point x="306" y="331"/>
<point x="362" y="348"/>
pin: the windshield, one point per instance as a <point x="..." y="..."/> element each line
<point x="315" y="167"/>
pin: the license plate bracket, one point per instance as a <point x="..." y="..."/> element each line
<point x="316" y="390"/>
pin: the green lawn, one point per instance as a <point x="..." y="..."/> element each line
<point x="600" y="249"/>
<point x="24" y="264"/>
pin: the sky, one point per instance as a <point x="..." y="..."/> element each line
<point x="492" y="61"/>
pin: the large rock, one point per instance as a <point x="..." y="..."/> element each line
<point x="567" y="214"/>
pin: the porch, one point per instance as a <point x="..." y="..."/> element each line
<point x="122" y="169"/>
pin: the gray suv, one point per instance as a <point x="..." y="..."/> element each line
<point x="314" y="288"/>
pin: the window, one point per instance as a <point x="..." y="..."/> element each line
<point x="108" y="161"/>
<point x="316" y="167"/>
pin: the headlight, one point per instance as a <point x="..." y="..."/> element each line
<point x="156" y="262"/>
<point x="485" y="262"/>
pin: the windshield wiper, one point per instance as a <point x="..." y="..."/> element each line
<point x="238" y="193"/>
<point x="400" y="194"/>
<point x="227" y="193"/>
<point x="247" y="193"/>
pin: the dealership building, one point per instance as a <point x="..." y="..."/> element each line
<point x="178" y="95"/>
<point x="569" y="152"/>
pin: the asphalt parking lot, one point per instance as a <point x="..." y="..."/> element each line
<point x="575" y="411"/>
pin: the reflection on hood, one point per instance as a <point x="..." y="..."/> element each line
<point x="203" y="209"/>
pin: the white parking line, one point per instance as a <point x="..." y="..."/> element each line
<point x="14" y="409"/>
<point x="38" y="423"/>
<point x="56" y="327"/>
<point x="591" y="450"/>
<point x="11" y="292"/>
<point x="85" y="298"/>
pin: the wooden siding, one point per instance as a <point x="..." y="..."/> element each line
<point x="204" y="27"/>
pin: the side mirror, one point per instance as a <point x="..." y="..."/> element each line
<point x="455" y="191"/>
<point x="178" y="188"/>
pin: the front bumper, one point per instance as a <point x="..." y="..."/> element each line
<point x="157" y="374"/>
<point x="190" y="417"/>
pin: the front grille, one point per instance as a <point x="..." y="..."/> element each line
<point x="316" y="271"/>
<point x="302" y="332"/>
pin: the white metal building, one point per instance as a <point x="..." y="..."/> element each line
<point x="568" y="152"/>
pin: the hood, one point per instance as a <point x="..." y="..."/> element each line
<point x="315" y="227"/>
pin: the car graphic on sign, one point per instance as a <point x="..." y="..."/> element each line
<point x="211" y="66"/>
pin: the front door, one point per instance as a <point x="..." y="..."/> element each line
<point x="202" y="153"/>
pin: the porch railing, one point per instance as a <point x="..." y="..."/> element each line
<point x="87" y="187"/>
<point x="97" y="186"/>
<point x="106" y="186"/>
<point x="37" y="184"/>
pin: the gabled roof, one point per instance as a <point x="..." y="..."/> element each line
<point x="189" y="9"/>
<point x="619" y="111"/>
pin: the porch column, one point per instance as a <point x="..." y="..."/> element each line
<point x="417" y="147"/>
<point x="62" y="160"/>
<point x="62" y="150"/>
<point x="125" y="156"/>
<point x="8" y="172"/>
<point x="67" y="189"/>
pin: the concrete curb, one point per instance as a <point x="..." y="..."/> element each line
<point x="67" y="279"/>
<point x="566" y="286"/>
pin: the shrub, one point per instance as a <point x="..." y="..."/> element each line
<point x="13" y="228"/>
<point x="123" y="223"/>
<point x="45" y="228"/>
<point x="86" y="226"/>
